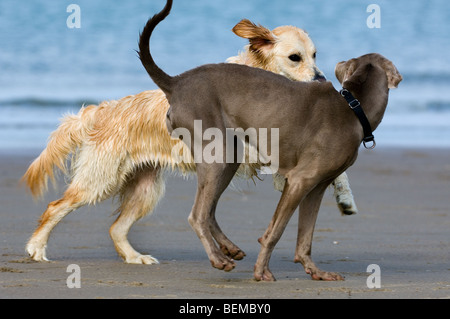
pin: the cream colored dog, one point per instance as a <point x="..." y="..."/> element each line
<point x="123" y="147"/>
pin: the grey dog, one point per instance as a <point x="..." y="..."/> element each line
<point x="319" y="136"/>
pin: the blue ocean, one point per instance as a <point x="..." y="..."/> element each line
<point x="54" y="58"/>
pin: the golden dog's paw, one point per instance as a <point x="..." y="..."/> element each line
<point x="142" y="260"/>
<point x="36" y="251"/>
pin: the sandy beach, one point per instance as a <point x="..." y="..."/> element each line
<point x="403" y="196"/>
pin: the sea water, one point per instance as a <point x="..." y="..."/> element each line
<point x="50" y="66"/>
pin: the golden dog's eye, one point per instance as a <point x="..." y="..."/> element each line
<point x="295" y="58"/>
<point x="314" y="55"/>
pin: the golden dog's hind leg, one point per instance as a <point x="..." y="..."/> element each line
<point x="55" y="212"/>
<point x="139" y="196"/>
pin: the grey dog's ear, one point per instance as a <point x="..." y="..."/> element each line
<point x="260" y="38"/>
<point x="355" y="71"/>
<point x="394" y="77"/>
<point x="340" y="71"/>
<point x="351" y="73"/>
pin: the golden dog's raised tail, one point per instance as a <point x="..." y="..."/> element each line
<point x="63" y="142"/>
<point x="162" y="79"/>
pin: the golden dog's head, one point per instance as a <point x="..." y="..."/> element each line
<point x="286" y="50"/>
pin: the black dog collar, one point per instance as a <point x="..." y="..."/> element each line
<point x="356" y="107"/>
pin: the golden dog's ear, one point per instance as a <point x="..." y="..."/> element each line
<point x="260" y="38"/>
<point x="394" y="77"/>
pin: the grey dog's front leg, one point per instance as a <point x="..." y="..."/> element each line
<point x="342" y="192"/>
<point x="290" y="199"/>
<point x="309" y="209"/>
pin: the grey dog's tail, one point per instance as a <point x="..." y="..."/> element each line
<point x="161" y="78"/>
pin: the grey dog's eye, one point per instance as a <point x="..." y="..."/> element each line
<point x="295" y="58"/>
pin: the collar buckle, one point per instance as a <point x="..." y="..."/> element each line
<point x="355" y="106"/>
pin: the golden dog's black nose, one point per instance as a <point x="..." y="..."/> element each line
<point x="320" y="78"/>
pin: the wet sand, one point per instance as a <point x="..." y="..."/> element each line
<point x="403" y="226"/>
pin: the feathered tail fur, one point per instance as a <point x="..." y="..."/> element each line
<point x="64" y="141"/>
